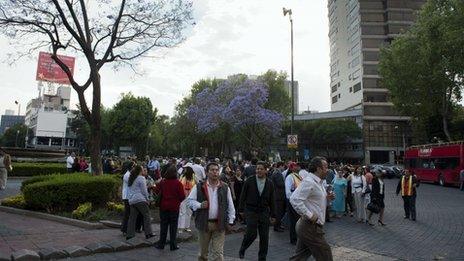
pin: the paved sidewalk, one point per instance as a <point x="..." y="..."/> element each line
<point x="22" y="232"/>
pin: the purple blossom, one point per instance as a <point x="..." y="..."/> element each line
<point x="236" y="105"/>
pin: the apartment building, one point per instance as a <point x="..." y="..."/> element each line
<point x="358" y="29"/>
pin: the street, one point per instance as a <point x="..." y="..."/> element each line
<point x="437" y="233"/>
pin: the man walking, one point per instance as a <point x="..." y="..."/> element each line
<point x="257" y="206"/>
<point x="407" y="186"/>
<point x="153" y="168"/>
<point x="309" y="201"/>
<point x="70" y="162"/>
<point x="214" y="213"/>
<point x="279" y="195"/>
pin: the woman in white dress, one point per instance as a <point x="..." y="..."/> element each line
<point x="185" y="213"/>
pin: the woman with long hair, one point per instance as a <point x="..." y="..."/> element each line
<point x="188" y="181"/>
<point x="358" y="188"/>
<point x="137" y="195"/>
<point x="172" y="194"/>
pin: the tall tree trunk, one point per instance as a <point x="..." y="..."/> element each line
<point x="95" y="126"/>
<point x="445" y="112"/>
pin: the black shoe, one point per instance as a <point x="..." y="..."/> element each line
<point x="328" y="220"/>
<point x="149" y="236"/>
<point x="381" y="223"/>
<point x="293" y="242"/>
<point x="413" y="219"/>
<point x="406" y="217"/>
<point x="241" y="254"/>
<point x="159" y="246"/>
<point x="174" y="248"/>
<point x="127" y="238"/>
<point x="138" y="231"/>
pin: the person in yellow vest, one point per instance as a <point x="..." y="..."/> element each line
<point x="292" y="181"/>
<point x="188" y="181"/>
<point x="407" y="186"/>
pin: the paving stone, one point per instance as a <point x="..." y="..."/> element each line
<point x="184" y="237"/>
<point x="98" y="247"/>
<point x="25" y="254"/>
<point x="137" y="242"/>
<point x="75" y="251"/>
<point x="51" y="253"/>
<point x="4" y="257"/>
<point x="118" y="245"/>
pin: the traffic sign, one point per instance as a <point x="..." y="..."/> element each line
<point x="292" y="141"/>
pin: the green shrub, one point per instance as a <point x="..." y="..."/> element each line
<point x="66" y="192"/>
<point x="36" y="179"/>
<point x="14" y="201"/>
<point x="27" y="169"/>
<point x="117" y="207"/>
<point x="82" y="210"/>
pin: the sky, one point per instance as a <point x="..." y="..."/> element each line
<point x="229" y="37"/>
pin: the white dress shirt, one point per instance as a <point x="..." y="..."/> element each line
<point x="213" y="202"/>
<point x="125" y="184"/>
<point x="69" y="162"/>
<point x="310" y="198"/>
<point x="199" y="172"/>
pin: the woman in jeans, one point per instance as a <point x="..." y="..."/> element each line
<point x="172" y="194"/>
<point x="137" y="195"/>
<point x="358" y="188"/>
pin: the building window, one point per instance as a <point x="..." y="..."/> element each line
<point x="357" y="87"/>
<point x="339" y="95"/>
<point x="334" y="99"/>
<point x="351" y="89"/>
<point x="335" y="87"/>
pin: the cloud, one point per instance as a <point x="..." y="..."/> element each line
<point x="229" y="37"/>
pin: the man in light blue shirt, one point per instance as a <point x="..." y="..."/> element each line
<point x="153" y="167"/>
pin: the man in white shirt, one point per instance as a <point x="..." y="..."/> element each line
<point x="214" y="213"/>
<point x="310" y="200"/>
<point x="70" y="162"/>
<point x="199" y="170"/>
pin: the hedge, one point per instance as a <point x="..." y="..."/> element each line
<point x="14" y="202"/>
<point x="65" y="192"/>
<point x="26" y="169"/>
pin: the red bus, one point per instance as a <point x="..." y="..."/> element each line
<point x="439" y="163"/>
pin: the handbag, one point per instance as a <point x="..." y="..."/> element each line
<point x="374" y="208"/>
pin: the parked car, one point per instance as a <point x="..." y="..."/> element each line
<point x="390" y="170"/>
<point x="398" y="170"/>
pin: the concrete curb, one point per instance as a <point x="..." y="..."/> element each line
<point x="63" y="220"/>
<point x="94" y="248"/>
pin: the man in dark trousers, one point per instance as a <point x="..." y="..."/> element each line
<point x="279" y="195"/>
<point x="257" y="206"/>
<point x="407" y="186"/>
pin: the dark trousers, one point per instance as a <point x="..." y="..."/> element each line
<point x="293" y="217"/>
<point x="256" y="222"/>
<point x="410" y="206"/>
<point x="168" y="219"/>
<point x="311" y="241"/>
<point x="135" y="210"/>
<point x="125" y="218"/>
<point x="349" y="204"/>
<point x="280" y="212"/>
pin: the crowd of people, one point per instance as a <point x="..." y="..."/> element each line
<point x="253" y="193"/>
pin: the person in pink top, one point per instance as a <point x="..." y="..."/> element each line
<point x="368" y="175"/>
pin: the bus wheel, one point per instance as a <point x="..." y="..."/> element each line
<point x="441" y="180"/>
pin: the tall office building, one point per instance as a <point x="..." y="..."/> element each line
<point x="358" y="29"/>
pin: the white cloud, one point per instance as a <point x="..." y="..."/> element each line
<point x="229" y="37"/>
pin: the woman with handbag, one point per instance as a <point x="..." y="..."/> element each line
<point x="377" y="204"/>
<point x="171" y="192"/>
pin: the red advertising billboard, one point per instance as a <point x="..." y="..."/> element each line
<point x="48" y="70"/>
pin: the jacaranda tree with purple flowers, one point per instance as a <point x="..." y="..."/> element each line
<point x="239" y="106"/>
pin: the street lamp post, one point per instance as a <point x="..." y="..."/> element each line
<point x="16" y="140"/>
<point x="289" y="12"/>
<point x="149" y="137"/>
